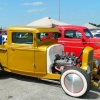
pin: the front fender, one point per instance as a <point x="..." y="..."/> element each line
<point x="51" y="52"/>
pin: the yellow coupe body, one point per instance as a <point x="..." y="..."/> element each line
<point x="20" y="56"/>
<point x="33" y="51"/>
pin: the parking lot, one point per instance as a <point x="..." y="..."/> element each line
<point x="17" y="87"/>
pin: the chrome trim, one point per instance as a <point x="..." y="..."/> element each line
<point x="88" y="70"/>
<point x="73" y="46"/>
<point x="96" y="63"/>
<point x="79" y="42"/>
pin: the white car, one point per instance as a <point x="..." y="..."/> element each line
<point x="96" y="34"/>
<point x="4" y="37"/>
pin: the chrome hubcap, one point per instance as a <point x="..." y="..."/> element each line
<point x="73" y="83"/>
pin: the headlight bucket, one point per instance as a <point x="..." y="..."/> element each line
<point x="88" y="70"/>
<point x="96" y="62"/>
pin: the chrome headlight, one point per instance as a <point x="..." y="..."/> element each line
<point x="88" y="70"/>
<point x="96" y="63"/>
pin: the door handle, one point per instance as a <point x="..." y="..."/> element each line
<point x="10" y="47"/>
<point x="63" y="43"/>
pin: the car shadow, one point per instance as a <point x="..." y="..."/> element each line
<point x="93" y="93"/>
<point x="91" y="96"/>
<point x="6" y="75"/>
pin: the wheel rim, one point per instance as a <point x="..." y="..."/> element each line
<point x="73" y="83"/>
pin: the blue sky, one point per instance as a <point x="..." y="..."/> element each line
<point x="22" y="12"/>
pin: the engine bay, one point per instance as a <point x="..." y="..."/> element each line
<point x="64" y="61"/>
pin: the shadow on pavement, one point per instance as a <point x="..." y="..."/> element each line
<point x="6" y="75"/>
<point x="93" y="94"/>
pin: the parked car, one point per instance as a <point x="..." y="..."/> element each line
<point x="4" y="35"/>
<point x="35" y="52"/>
<point x="74" y="38"/>
<point x="97" y="35"/>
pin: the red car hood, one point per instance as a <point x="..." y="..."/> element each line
<point x="96" y="45"/>
<point x="95" y="42"/>
<point x="94" y="39"/>
<point x="97" y="53"/>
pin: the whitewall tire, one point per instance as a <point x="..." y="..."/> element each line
<point x="75" y="82"/>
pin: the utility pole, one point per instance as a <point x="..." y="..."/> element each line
<point x="59" y="10"/>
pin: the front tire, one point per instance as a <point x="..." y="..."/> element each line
<point x="75" y="82"/>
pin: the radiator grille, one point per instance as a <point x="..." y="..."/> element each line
<point x="90" y="59"/>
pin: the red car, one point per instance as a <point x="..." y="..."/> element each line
<point x="75" y="38"/>
<point x="3" y="31"/>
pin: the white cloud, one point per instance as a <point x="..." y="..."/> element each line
<point x="3" y="3"/>
<point x="32" y="4"/>
<point x="36" y="10"/>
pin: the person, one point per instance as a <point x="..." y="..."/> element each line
<point x="1" y="39"/>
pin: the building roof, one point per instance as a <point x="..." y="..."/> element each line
<point x="46" y="22"/>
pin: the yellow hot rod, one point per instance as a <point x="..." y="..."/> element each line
<point x="33" y="51"/>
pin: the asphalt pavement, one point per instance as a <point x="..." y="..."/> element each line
<point x="18" y="87"/>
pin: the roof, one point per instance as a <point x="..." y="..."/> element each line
<point x="91" y="27"/>
<point x="46" y="22"/>
<point x="32" y="28"/>
<point x="71" y="26"/>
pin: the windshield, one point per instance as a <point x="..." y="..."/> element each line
<point x="47" y="36"/>
<point x="88" y="33"/>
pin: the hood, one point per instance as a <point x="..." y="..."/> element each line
<point x="94" y="39"/>
<point x="95" y="42"/>
<point x="97" y="54"/>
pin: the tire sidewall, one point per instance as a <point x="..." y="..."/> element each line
<point x="80" y="73"/>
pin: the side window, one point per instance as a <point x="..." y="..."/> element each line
<point x="72" y="34"/>
<point x="22" y="37"/>
<point x="78" y="34"/>
<point x="42" y="36"/>
<point x="47" y="36"/>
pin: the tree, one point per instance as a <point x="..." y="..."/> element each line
<point x="95" y="24"/>
<point x="98" y="25"/>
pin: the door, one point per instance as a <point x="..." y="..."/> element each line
<point x="73" y="41"/>
<point x="21" y="52"/>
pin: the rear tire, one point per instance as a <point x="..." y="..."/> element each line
<point x="75" y="82"/>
